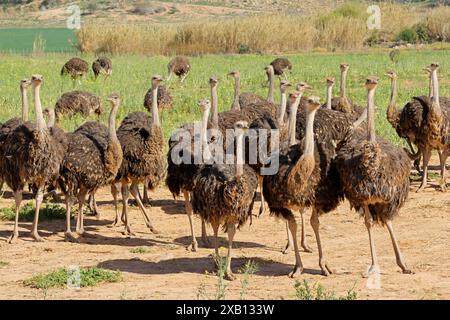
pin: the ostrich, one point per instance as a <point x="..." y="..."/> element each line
<point x="92" y="160"/>
<point x="280" y="65"/>
<point x="435" y="130"/>
<point x="224" y="194"/>
<point x="180" y="66"/>
<point x="144" y="160"/>
<point x="329" y="92"/>
<point x="165" y="101"/>
<point x="306" y="178"/>
<point x="78" y="102"/>
<point x="9" y="126"/>
<point x="102" y="65"/>
<point x="342" y="103"/>
<point x="375" y="178"/>
<point x="76" y="68"/>
<point x="30" y="154"/>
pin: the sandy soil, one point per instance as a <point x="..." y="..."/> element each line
<point x="168" y="270"/>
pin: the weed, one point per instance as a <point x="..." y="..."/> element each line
<point x="48" y="211"/>
<point x="305" y="291"/>
<point x="247" y="270"/>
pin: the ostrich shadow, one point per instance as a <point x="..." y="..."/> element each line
<point x="222" y="242"/>
<point x="197" y="265"/>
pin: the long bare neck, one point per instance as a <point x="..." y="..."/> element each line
<point x="271" y="87"/>
<point x="392" y="110"/>
<point x="292" y="122"/>
<point x="112" y="136"/>
<point x="51" y="118"/>
<point x="23" y="92"/>
<point x="436" y="107"/>
<point x="343" y="84"/>
<point x="239" y="155"/>
<point x="371" y="116"/>
<point x="309" y="133"/>
<point x="204" y="128"/>
<point x="40" y="123"/>
<point x="329" y="95"/>
<point x="215" y="107"/>
<point x="282" y="110"/>
<point x="430" y="86"/>
<point x="237" y="85"/>
<point x="155" y="115"/>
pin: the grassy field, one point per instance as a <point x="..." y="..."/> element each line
<point x="131" y="79"/>
<point x="18" y="40"/>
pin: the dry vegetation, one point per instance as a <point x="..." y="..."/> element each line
<point x="342" y="29"/>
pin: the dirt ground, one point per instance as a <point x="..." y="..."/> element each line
<point x="168" y="271"/>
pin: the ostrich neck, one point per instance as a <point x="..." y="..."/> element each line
<point x="204" y="128"/>
<point x="155" y="114"/>
<point x="24" y="95"/>
<point x="282" y="108"/>
<point x="343" y="84"/>
<point x="435" y="106"/>
<point x="214" y="105"/>
<point x="293" y="120"/>
<point x="237" y="84"/>
<point x="309" y="133"/>
<point x="239" y="155"/>
<point x="112" y="135"/>
<point x="371" y="116"/>
<point x="40" y="123"/>
<point x="329" y="95"/>
<point x="51" y="118"/>
<point x="430" y="86"/>
<point x="271" y="87"/>
<point x="391" y="108"/>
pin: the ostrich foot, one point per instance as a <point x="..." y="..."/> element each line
<point x="289" y="246"/>
<point x="422" y="186"/>
<point x="261" y="211"/>
<point x="193" y="246"/>
<point x="116" y="223"/>
<point x="13" y="238"/>
<point x="153" y="230"/>
<point x="35" y="235"/>
<point x="127" y="232"/>
<point x="69" y="237"/>
<point x="229" y="276"/>
<point x="88" y="235"/>
<point x="443" y="186"/>
<point x="326" y="270"/>
<point x="306" y="248"/>
<point x="298" y="270"/>
<point x="373" y="269"/>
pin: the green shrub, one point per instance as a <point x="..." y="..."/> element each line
<point x="48" y="211"/>
<point x="408" y="35"/>
<point x="305" y="291"/>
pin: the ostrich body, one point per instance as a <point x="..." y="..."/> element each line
<point x="30" y="155"/>
<point x="144" y="160"/>
<point x="92" y="160"/>
<point x="375" y="178"/>
<point x="180" y="66"/>
<point x="306" y="178"/>
<point x="78" y="102"/>
<point x="165" y="101"/>
<point x="102" y="65"/>
<point x="224" y="194"/>
<point x="280" y="65"/>
<point x="76" y="68"/>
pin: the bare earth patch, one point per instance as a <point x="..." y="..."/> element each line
<point x="159" y="267"/>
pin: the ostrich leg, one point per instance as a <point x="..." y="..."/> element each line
<point x="298" y="268"/>
<point x="81" y="196"/>
<point x="118" y="218"/>
<point x="442" y="158"/>
<point x="68" y="236"/>
<point x="303" y="243"/>
<point x="39" y="198"/>
<point x="205" y="239"/>
<point x="145" y="198"/>
<point x="188" y="207"/>
<point x="289" y="244"/>
<point x="262" y="208"/>
<point x="426" y="158"/>
<point x="93" y="205"/>
<point x="135" y="193"/>
<point x="398" y="254"/>
<point x="369" y="224"/>
<point x="315" y="223"/>
<point x="231" y="230"/>
<point x="18" y="200"/>
<point x="125" y="196"/>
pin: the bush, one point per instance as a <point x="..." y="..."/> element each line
<point x="408" y="35"/>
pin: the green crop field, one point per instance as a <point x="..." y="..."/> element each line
<point x="131" y="80"/>
<point x="20" y="40"/>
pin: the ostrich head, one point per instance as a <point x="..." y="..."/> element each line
<point x="302" y="87"/>
<point x="434" y="66"/>
<point x="156" y="80"/>
<point x="213" y="81"/>
<point x="36" y="79"/>
<point x="234" y="74"/>
<point x="293" y="97"/>
<point x="113" y="98"/>
<point x="344" y="67"/>
<point x="269" y="70"/>
<point x="241" y="125"/>
<point x="371" y="82"/>
<point x="330" y="81"/>
<point x="391" y="74"/>
<point x="204" y="104"/>
<point x="284" y="84"/>
<point x="25" y="83"/>
<point x="312" y="103"/>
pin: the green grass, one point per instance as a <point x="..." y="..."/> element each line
<point x="139" y="250"/>
<point x="48" y="211"/>
<point x="3" y="264"/>
<point x="132" y="73"/>
<point x="89" y="277"/>
<point x="305" y="291"/>
<point x="20" y="40"/>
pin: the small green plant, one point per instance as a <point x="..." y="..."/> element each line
<point x="247" y="270"/>
<point x="3" y="264"/>
<point x="89" y="276"/>
<point x="39" y="44"/>
<point x="48" y="211"/>
<point x="139" y="250"/>
<point x="221" y="263"/>
<point x="305" y="291"/>
<point x="201" y="292"/>
<point x="408" y="35"/>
